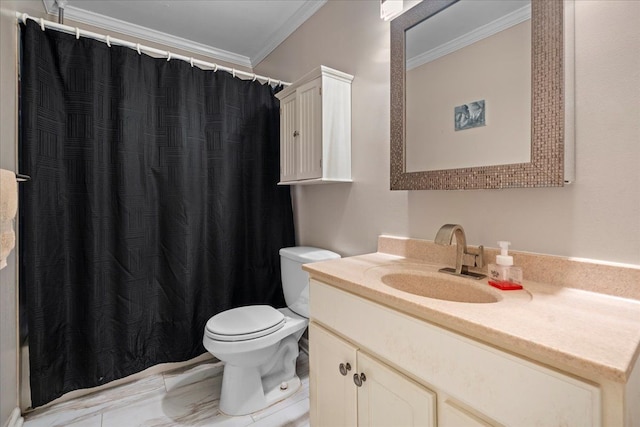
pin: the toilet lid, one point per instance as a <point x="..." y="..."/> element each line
<point x="244" y="323"/>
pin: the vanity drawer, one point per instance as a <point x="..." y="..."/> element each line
<point x="505" y="388"/>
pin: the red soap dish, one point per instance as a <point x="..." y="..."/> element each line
<point x="505" y="286"/>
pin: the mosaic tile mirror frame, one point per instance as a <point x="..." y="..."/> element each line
<point x="546" y="168"/>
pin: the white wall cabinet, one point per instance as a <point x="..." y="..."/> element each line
<point x="355" y="389"/>
<point x="474" y="384"/>
<point x="315" y="128"/>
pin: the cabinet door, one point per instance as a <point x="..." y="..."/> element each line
<point x="454" y="414"/>
<point x="309" y="139"/>
<point x="332" y="395"/>
<point x="288" y="135"/>
<point x="388" y="398"/>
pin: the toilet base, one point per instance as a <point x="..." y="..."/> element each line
<point x="247" y="390"/>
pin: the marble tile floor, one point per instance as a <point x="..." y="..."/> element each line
<point x="183" y="397"/>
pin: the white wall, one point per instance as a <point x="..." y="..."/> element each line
<point x="598" y="217"/>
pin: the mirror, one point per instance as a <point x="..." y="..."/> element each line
<point x="488" y="115"/>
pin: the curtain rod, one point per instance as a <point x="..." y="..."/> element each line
<point x="140" y="47"/>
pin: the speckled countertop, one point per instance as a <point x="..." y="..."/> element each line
<point x="586" y="333"/>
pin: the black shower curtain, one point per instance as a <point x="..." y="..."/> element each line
<point x="153" y="205"/>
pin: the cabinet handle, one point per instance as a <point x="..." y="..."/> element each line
<point x="359" y="379"/>
<point x="344" y="368"/>
<point x="296" y="133"/>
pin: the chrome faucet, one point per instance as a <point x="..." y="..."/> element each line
<point x="445" y="237"/>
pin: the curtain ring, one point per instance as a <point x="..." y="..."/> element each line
<point x="191" y="62"/>
<point x="168" y="56"/>
<point x="215" y="68"/>
<point x="138" y="48"/>
<point x="24" y="18"/>
<point x="42" y="24"/>
<point x="279" y="82"/>
<point x="254" y="77"/>
<point x="233" y="72"/>
<point x="269" y="81"/>
<point x="108" y="40"/>
<point x="77" y="33"/>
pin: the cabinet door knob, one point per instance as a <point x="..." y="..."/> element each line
<point x="359" y="379"/>
<point x="344" y="368"/>
<point x="296" y="133"/>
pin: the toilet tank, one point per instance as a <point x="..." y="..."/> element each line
<point x="295" y="281"/>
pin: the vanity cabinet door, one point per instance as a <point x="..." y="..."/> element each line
<point x="388" y="398"/>
<point x="453" y="414"/>
<point x="332" y="395"/>
<point x="364" y="393"/>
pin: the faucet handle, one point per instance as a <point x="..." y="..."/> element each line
<point x="474" y="257"/>
<point x="479" y="257"/>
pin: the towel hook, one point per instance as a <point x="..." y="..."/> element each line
<point x="42" y="24"/>
<point x="138" y="48"/>
<point x="77" y="33"/>
<point x="108" y="40"/>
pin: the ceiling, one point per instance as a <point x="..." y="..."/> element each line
<point x="241" y="32"/>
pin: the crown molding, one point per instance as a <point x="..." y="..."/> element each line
<point x="292" y="24"/>
<point x="137" y="31"/>
<point x="500" y="24"/>
<point x="133" y="30"/>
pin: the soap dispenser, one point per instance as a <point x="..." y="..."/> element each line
<point x="503" y="274"/>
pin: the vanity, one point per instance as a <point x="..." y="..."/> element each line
<point x="395" y="342"/>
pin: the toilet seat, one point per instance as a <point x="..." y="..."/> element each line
<point x="244" y="323"/>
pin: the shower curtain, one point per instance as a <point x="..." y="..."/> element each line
<point x="153" y="205"/>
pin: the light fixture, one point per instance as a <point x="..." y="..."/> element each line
<point x="389" y="9"/>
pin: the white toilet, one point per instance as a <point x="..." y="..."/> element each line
<point x="259" y="344"/>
